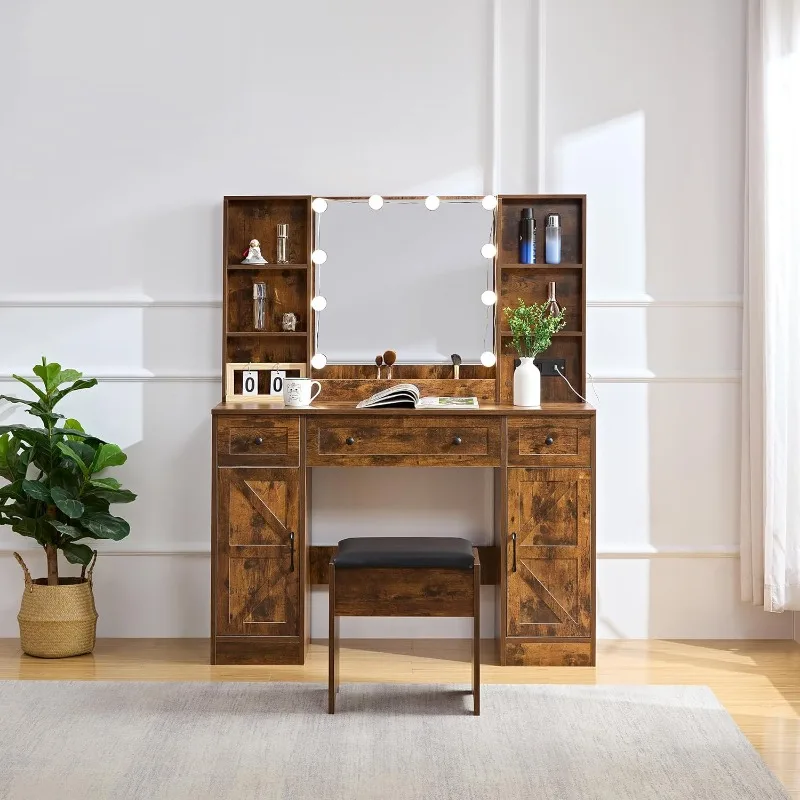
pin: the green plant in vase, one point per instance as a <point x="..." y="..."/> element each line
<point x="532" y="328"/>
<point x="55" y="494"/>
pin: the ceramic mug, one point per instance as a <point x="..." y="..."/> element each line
<point x="297" y="392"/>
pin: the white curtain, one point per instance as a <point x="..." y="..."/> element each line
<point x="770" y="487"/>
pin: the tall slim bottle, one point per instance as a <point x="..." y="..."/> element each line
<point x="527" y="237"/>
<point x="552" y="239"/>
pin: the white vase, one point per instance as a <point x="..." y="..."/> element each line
<point x="527" y="384"/>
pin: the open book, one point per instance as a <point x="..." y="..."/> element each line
<point x="406" y="395"/>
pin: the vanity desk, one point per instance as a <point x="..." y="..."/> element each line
<point x="542" y="556"/>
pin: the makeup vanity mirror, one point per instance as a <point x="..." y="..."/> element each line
<point x="405" y="274"/>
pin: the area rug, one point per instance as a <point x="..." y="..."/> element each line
<point x="87" y="740"/>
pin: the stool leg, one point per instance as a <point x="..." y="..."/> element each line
<point x="333" y="644"/>
<point x="476" y="643"/>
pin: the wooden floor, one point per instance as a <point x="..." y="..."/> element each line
<point x="758" y="682"/>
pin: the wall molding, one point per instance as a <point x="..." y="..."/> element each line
<point x="649" y="377"/>
<point x="134" y="301"/>
<point x="610" y="552"/>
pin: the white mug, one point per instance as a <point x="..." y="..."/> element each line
<point x="297" y="392"/>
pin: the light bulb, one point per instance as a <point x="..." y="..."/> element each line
<point x="488" y="251"/>
<point x="488" y="298"/>
<point x="488" y="359"/>
<point x="318" y="360"/>
<point x="432" y="202"/>
<point x="319" y="256"/>
<point x="318" y="303"/>
<point x="375" y="202"/>
<point x="489" y="202"/>
<point x="319" y="204"/>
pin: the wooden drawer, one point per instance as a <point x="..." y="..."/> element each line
<point x="550" y="441"/>
<point x="403" y="440"/>
<point x="258" y="441"/>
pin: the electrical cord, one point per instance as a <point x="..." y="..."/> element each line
<point x="558" y="370"/>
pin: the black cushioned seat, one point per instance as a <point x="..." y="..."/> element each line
<point x="446" y="552"/>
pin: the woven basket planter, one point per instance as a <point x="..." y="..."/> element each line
<point x="57" y="621"/>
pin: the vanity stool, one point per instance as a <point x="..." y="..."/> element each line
<point x="404" y="577"/>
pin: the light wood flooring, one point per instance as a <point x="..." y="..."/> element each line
<point x="758" y="682"/>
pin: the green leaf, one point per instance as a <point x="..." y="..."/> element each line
<point x="85" y="383"/>
<point x="66" y="503"/>
<point x="67" y="451"/>
<point x="48" y="374"/>
<point x="31" y="386"/>
<point x="70" y="531"/>
<point x="36" y="490"/>
<point x="73" y="424"/>
<point x="65" y="478"/>
<point x="5" y="467"/>
<point x="105" y="526"/>
<point x="109" y="455"/>
<point x="111" y="495"/>
<point x="26" y="527"/>
<point x="105" y="483"/>
<point x="68" y="376"/>
<point x="77" y="553"/>
<point x="12" y="490"/>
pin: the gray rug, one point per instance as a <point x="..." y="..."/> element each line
<point x="87" y="740"/>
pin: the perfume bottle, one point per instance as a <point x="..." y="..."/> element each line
<point x="259" y="306"/>
<point x="527" y="237"/>
<point x="283" y="235"/>
<point x="552" y="239"/>
<point x="552" y="304"/>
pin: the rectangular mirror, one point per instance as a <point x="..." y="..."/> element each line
<point x="404" y="278"/>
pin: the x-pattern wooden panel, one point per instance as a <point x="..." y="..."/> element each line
<point x="549" y="559"/>
<point x="259" y="511"/>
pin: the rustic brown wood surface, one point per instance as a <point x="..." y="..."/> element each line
<point x="549" y="553"/>
<point x="550" y="442"/>
<point x="348" y="408"/>
<point x="320" y="556"/>
<point x="546" y="653"/>
<point x="258" y="540"/>
<point x="232" y="650"/>
<point x="356" y="389"/>
<point x="405" y="440"/>
<point x="264" y="442"/>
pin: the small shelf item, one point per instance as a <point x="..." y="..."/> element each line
<point x="552" y="304"/>
<point x="379" y="364"/>
<point x="552" y="239"/>
<point x="527" y="237"/>
<point x="259" y="382"/>
<point x="389" y="358"/>
<point x="253" y="254"/>
<point x="283" y="235"/>
<point x="259" y="306"/>
<point x="456" y="359"/>
<point x="289" y="322"/>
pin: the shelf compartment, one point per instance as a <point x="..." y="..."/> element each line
<point x="260" y="334"/>
<point x="511" y="265"/>
<point x="560" y="333"/>
<point x="531" y="286"/>
<point x="263" y="347"/>
<point x="286" y="291"/>
<point x="269" y="267"/>
<point x="249" y="218"/>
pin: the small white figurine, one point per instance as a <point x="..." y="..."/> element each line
<point x="253" y="254"/>
<point x="289" y="321"/>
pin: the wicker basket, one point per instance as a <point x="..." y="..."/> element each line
<point x="57" y="621"/>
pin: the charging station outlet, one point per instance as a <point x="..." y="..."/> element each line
<point x="549" y="367"/>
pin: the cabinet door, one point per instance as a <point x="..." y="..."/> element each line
<point x="549" y="553"/>
<point x="258" y="547"/>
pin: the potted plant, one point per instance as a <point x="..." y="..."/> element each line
<point x="55" y="496"/>
<point x="532" y="328"/>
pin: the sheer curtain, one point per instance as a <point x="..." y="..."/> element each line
<point x="770" y="488"/>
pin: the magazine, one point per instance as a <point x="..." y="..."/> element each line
<point x="406" y="395"/>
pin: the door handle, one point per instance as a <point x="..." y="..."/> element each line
<point x="514" y="552"/>
<point x="291" y="551"/>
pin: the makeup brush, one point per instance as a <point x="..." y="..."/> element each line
<point x="456" y="359"/>
<point x="389" y="357"/>
<point x="379" y="364"/>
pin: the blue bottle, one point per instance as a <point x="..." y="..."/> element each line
<point x="527" y="237"/>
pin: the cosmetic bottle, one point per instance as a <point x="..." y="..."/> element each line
<point x="552" y="304"/>
<point x="552" y="239"/>
<point x="283" y="235"/>
<point x="259" y="306"/>
<point x="527" y="237"/>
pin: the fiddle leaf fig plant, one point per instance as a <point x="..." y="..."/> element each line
<point x="55" y="493"/>
<point x="532" y="327"/>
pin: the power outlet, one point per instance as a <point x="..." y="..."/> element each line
<point x="549" y="367"/>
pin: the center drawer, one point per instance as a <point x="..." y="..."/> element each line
<point x="403" y="440"/>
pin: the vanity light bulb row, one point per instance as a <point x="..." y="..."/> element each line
<point x="319" y="257"/>
<point x="318" y="303"/>
<point x="318" y="360"/>
<point x="488" y="358"/>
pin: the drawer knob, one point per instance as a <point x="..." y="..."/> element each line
<point x="258" y="440"/>
<point x="456" y="440"/>
<point x="350" y="440"/>
<point x="548" y="441"/>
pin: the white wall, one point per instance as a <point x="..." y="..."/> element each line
<point x="124" y="125"/>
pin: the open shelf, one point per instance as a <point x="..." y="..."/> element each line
<point x="268" y="266"/>
<point x="560" y="333"/>
<point x="267" y="333"/>
<point x="510" y="265"/>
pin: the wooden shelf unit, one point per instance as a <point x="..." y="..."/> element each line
<point x="288" y="285"/>
<point x="529" y="282"/>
